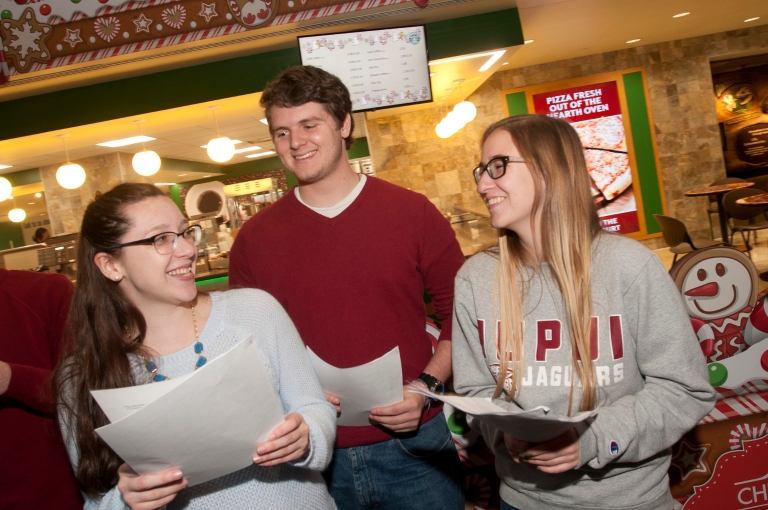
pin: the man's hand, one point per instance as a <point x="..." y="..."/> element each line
<point x="5" y="376"/>
<point x="289" y="441"/>
<point x="556" y="455"/>
<point x="404" y="416"/>
<point x="147" y="492"/>
<point x="334" y="400"/>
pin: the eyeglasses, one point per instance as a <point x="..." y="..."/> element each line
<point x="166" y="242"/>
<point x="496" y="167"/>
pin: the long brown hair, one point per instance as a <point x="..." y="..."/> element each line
<point x="96" y="339"/>
<point x="569" y="224"/>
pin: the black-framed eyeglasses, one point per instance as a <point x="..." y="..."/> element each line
<point x="496" y="167"/>
<point x="166" y="242"/>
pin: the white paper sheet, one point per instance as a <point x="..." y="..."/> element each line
<point x="534" y="425"/>
<point x="378" y="383"/>
<point x="208" y="424"/>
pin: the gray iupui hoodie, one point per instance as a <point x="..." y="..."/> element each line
<point x="652" y="376"/>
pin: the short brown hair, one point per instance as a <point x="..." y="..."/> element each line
<point x="300" y="85"/>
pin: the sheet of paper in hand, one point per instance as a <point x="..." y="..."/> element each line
<point x="378" y="383"/>
<point x="207" y="423"/>
<point x="534" y="425"/>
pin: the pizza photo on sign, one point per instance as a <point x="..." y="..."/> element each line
<point x="606" y="153"/>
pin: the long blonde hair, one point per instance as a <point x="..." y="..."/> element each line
<point x="569" y="224"/>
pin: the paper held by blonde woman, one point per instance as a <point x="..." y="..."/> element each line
<point x="534" y="425"/>
<point x="207" y="424"/>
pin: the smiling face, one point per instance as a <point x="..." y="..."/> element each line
<point x="309" y="141"/>
<point x="148" y="278"/>
<point x="717" y="287"/>
<point x="509" y="198"/>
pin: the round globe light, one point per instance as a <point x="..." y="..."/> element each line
<point x="454" y="120"/>
<point x="466" y="111"/>
<point x="221" y="149"/>
<point x="70" y="176"/>
<point x="17" y="215"/>
<point x="146" y="163"/>
<point x="443" y="130"/>
<point x="5" y="189"/>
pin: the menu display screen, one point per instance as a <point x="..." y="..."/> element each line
<point x="381" y="68"/>
<point x="595" y="113"/>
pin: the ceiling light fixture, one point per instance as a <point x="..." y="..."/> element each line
<point x="145" y="162"/>
<point x="248" y="149"/>
<point x="127" y="141"/>
<point x="3" y="167"/>
<point x="681" y="15"/>
<point x="264" y="121"/>
<point x="38" y="195"/>
<point x="495" y="55"/>
<point x="69" y="175"/>
<point x="633" y="41"/>
<point x="233" y="141"/>
<point x="465" y="109"/>
<point x="220" y="149"/>
<point x="528" y="41"/>
<point x="752" y="19"/>
<point x="165" y="184"/>
<point x="260" y="154"/>
<point x="6" y="190"/>
<point x="16" y="214"/>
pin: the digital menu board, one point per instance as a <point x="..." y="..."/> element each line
<point x="381" y="68"/>
<point x="595" y="113"/>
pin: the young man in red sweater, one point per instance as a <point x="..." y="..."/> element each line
<point x="349" y="258"/>
<point x="34" y="470"/>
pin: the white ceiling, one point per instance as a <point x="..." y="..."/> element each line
<point x="560" y="29"/>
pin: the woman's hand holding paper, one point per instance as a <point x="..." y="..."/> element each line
<point x="147" y="492"/>
<point x="554" y="456"/>
<point x="289" y="441"/>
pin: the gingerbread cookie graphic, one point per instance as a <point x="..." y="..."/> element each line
<point x="254" y="13"/>
<point x="24" y="40"/>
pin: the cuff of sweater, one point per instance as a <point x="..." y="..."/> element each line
<point x="587" y="443"/>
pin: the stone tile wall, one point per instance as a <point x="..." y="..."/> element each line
<point x="67" y="206"/>
<point x="406" y="150"/>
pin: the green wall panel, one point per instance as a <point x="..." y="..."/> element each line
<point x="516" y="104"/>
<point x="11" y="232"/>
<point x="23" y="177"/>
<point x="645" y="154"/>
<point x="473" y="34"/>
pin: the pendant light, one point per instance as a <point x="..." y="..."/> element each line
<point x="16" y="214"/>
<point x="69" y="175"/>
<point x="465" y="109"/>
<point x="5" y="189"/>
<point x="220" y="149"/>
<point x="145" y="162"/>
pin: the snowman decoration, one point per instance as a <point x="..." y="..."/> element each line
<point x="719" y="288"/>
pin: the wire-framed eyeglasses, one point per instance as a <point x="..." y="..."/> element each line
<point x="166" y="242"/>
<point x="496" y="167"/>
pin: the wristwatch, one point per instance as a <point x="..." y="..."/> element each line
<point x="432" y="383"/>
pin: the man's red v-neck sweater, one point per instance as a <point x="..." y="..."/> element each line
<point x="354" y="284"/>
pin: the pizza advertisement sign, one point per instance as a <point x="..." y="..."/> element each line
<point x="595" y="113"/>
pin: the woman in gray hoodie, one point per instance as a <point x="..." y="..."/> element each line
<point x="564" y="315"/>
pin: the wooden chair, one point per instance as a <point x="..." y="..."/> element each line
<point x="712" y="208"/>
<point x="677" y="237"/>
<point x="743" y="212"/>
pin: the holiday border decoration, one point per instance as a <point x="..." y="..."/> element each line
<point x="117" y="29"/>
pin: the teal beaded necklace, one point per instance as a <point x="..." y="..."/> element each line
<point x="151" y="366"/>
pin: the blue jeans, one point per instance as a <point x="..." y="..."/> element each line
<point x="505" y="506"/>
<point x="413" y="471"/>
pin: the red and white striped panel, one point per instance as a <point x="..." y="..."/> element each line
<point x="741" y="405"/>
<point x="756" y="386"/>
